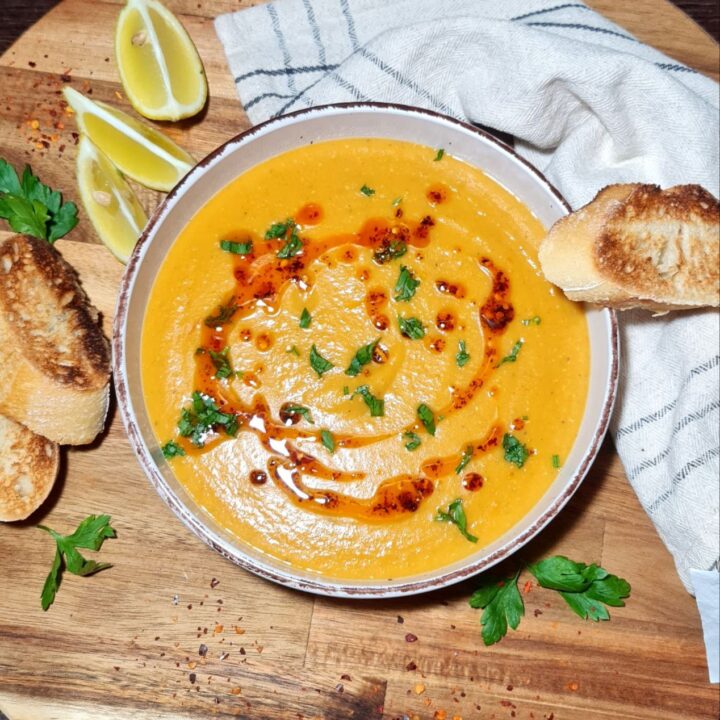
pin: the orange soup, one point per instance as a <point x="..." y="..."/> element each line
<point x="353" y="363"/>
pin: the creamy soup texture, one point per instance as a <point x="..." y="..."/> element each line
<point x="350" y="350"/>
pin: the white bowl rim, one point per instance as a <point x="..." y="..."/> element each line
<point x="327" y="586"/>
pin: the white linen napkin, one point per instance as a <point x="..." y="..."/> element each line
<point x="589" y="105"/>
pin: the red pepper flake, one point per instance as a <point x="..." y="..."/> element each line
<point x="192" y="678"/>
<point x="340" y="688"/>
<point x="411" y="666"/>
<point x="509" y="688"/>
<point x="202" y="650"/>
<point x="400" y="619"/>
<point x="346" y="677"/>
<point x="65" y="78"/>
<point x="411" y="638"/>
<point x="32" y="64"/>
<point x="214" y="583"/>
<point x="537" y="612"/>
<point x="572" y="686"/>
<point x="527" y="587"/>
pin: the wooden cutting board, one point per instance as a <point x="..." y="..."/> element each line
<point x="125" y="643"/>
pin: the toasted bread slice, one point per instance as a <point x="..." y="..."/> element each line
<point x="639" y="246"/>
<point x="28" y="467"/>
<point x="54" y="358"/>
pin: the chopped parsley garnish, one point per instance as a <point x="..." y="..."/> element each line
<point x="328" y="440"/>
<point x="411" y="328"/>
<point x="413" y="440"/>
<point x="293" y="349"/>
<point x="279" y="229"/>
<point x="293" y="245"/>
<point x="202" y="418"/>
<point x="556" y="461"/>
<point x="32" y="208"/>
<point x="375" y="404"/>
<point x="172" y="449"/>
<point x="301" y="410"/>
<point x="221" y="361"/>
<point x="397" y="201"/>
<point x="346" y="390"/>
<point x="462" y="358"/>
<point x="455" y="514"/>
<point x="515" y="452"/>
<point x="587" y="589"/>
<point x="367" y="191"/>
<point x="512" y="357"/>
<point x="362" y="357"/>
<point x="440" y="154"/>
<point x="393" y="250"/>
<point x="224" y="315"/>
<point x="532" y="321"/>
<point x="318" y="363"/>
<point x="426" y="417"/>
<point x="406" y="285"/>
<point x="465" y="459"/>
<point x="237" y="248"/>
<point x="305" y="319"/>
<point x="90" y="534"/>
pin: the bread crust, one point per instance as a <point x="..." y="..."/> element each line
<point x="54" y="358"/>
<point x="636" y="245"/>
<point x="28" y="468"/>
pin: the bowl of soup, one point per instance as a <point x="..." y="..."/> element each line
<point x="339" y="363"/>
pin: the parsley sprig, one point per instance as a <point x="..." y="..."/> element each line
<point x="463" y="357"/>
<point x="90" y="534"/>
<point x="411" y="328"/>
<point x="375" y="404"/>
<point x="515" y="452"/>
<point x="318" y="363"/>
<point x="587" y="589"/>
<point x="31" y="207"/>
<point x="237" y="248"/>
<point x="513" y="355"/>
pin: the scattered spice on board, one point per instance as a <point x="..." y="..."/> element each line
<point x="410" y="637"/>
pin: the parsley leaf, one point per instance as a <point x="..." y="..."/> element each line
<point x="411" y="328"/>
<point x="279" y="229"/>
<point x="502" y="605"/>
<point x="536" y="320"/>
<point x="318" y="363"/>
<point x="305" y="319"/>
<point x="515" y="452"/>
<point x="426" y="417"/>
<point x="390" y="251"/>
<point x="375" y="404"/>
<point x="413" y="440"/>
<point x="362" y="357"/>
<point x="440" y="154"/>
<point x="455" y="514"/>
<point x="293" y="245"/>
<point x="367" y="191"/>
<point x="221" y="361"/>
<point x="90" y="534"/>
<point x="301" y="410"/>
<point x="293" y="349"/>
<point x="204" y="416"/>
<point x="556" y="461"/>
<point x="465" y="459"/>
<point x="31" y="207"/>
<point x="397" y="201"/>
<point x="585" y="588"/>
<point x="512" y="357"/>
<point x="462" y="358"/>
<point x="237" y="248"/>
<point x="406" y="285"/>
<point x="172" y="449"/>
<point x="223" y="316"/>
<point x="328" y="440"/>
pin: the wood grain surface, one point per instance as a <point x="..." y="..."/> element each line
<point x="126" y="642"/>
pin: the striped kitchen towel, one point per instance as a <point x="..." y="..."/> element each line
<point x="589" y="105"/>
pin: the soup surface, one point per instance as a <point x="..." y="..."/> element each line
<point x="350" y="352"/>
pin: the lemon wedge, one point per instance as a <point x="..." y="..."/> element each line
<point x="138" y="150"/>
<point x="159" y="66"/>
<point x="110" y="203"/>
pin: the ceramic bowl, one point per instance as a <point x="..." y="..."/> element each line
<point x="285" y="133"/>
